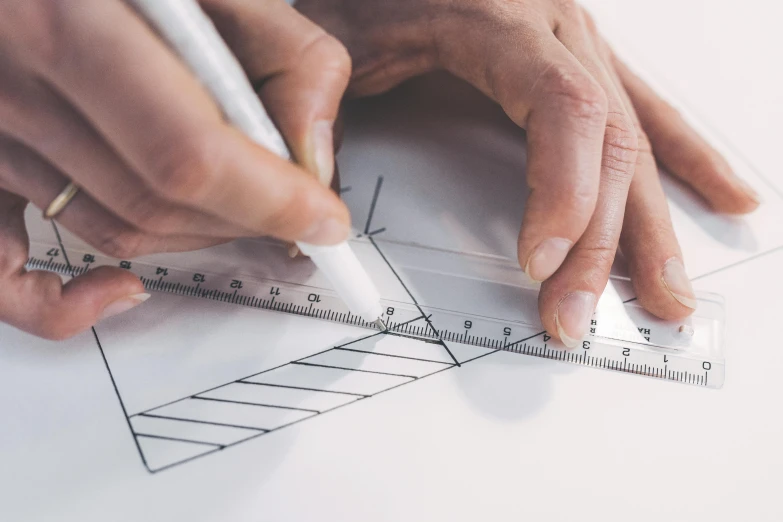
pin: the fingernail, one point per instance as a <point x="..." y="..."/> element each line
<point x="328" y="232"/>
<point x="573" y="317"/>
<point x="293" y="251"/>
<point x="322" y="152"/>
<point x="677" y="283"/>
<point x="750" y="191"/>
<point x="547" y="258"/>
<point x="123" y="305"/>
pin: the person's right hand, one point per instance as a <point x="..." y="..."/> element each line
<point x="89" y="94"/>
<point x="594" y="134"/>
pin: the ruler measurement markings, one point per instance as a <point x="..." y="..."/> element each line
<point x="286" y="299"/>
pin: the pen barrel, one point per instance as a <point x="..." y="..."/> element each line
<point x="190" y="32"/>
<point x="351" y="282"/>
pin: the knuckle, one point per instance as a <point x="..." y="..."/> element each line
<point x="55" y="330"/>
<point x="151" y="215"/>
<point x="575" y="93"/>
<point x="597" y="258"/>
<point x="568" y="8"/>
<point x="621" y="146"/>
<point x="643" y="144"/>
<point x="294" y="207"/>
<point x="38" y="30"/>
<point x="120" y="243"/>
<point x="186" y="171"/>
<point x="330" y="53"/>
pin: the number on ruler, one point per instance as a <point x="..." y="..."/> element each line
<point x="586" y="345"/>
<point x="161" y="271"/>
<point x="626" y="352"/>
<point x="390" y="311"/>
<point x="53" y="252"/>
<point x="506" y="331"/>
<point x="468" y="325"/>
<point x="125" y="264"/>
<point x="547" y="338"/>
<point x="274" y="291"/>
<point x="199" y="278"/>
<point x="236" y="283"/>
<point x="314" y="298"/>
<point x="88" y="258"/>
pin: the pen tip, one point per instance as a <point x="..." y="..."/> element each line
<point x="380" y="324"/>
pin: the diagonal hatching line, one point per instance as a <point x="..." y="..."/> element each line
<point x="375" y="195"/>
<point x="175" y="439"/>
<point x="482" y="355"/>
<point x="378" y="231"/>
<point x="360" y="395"/>
<point x="415" y="302"/>
<point x="211" y="423"/>
<point x="522" y="340"/>
<point x="391" y="355"/>
<point x="194" y="457"/>
<point x="229" y="401"/>
<point x="422" y="339"/>
<point x="364" y="338"/>
<point x="355" y="370"/>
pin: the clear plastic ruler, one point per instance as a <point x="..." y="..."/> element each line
<point x="449" y="297"/>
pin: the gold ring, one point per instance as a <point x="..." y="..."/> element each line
<point x="62" y="199"/>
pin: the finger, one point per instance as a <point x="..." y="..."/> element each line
<point x="543" y="88"/>
<point x="568" y="298"/>
<point x="683" y="152"/>
<point x="300" y="71"/>
<point x="166" y="128"/>
<point x="25" y="173"/>
<point x="648" y="241"/>
<point x="44" y="121"/>
<point x="38" y="302"/>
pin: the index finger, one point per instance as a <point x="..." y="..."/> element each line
<point x="161" y="121"/>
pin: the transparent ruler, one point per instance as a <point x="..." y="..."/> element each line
<point x="623" y="336"/>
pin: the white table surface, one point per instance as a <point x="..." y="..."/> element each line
<point x="580" y="444"/>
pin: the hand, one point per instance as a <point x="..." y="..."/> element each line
<point x="594" y="132"/>
<point x="89" y="94"/>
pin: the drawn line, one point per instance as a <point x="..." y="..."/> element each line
<point x="211" y="423"/>
<point x="375" y="195"/>
<point x="353" y="369"/>
<point x="175" y="439"/>
<point x="360" y="395"/>
<point x="194" y="457"/>
<point x="103" y="356"/>
<point x="422" y="339"/>
<point x="738" y="263"/>
<point x="254" y="404"/>
<point x="394" y="356"/>
<point x="415" y="302"/>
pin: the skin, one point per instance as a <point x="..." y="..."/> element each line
<point x="89" y="94"/>
<point x="595" y="133"/>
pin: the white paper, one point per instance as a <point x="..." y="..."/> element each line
<point x="296" y="418"/>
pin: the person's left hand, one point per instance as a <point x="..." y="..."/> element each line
<point x="594" y="133"/>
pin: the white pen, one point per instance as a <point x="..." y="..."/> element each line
<point x="190" y="32"/>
